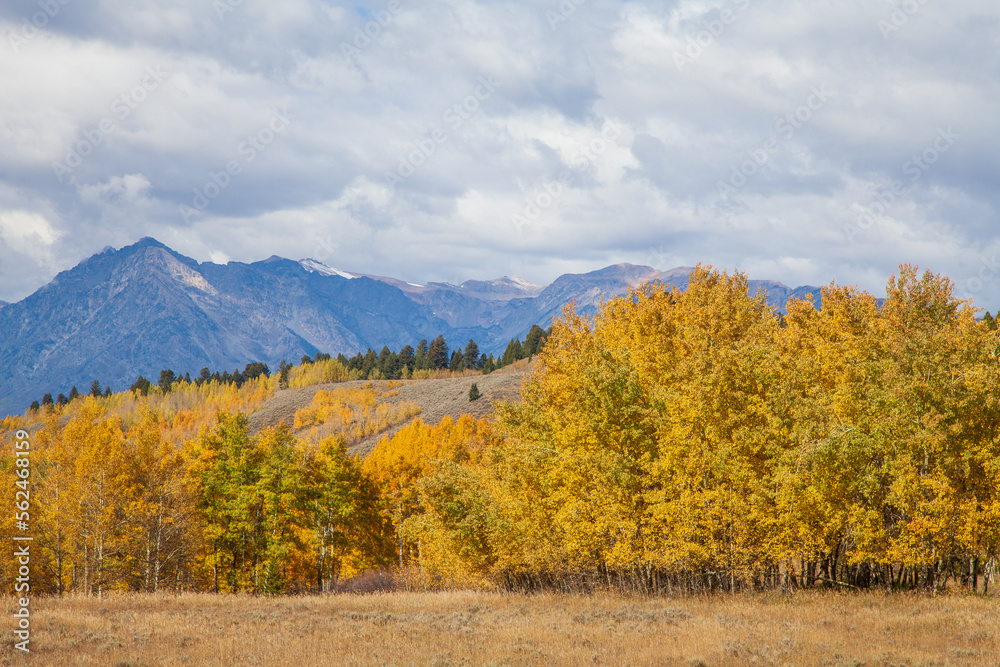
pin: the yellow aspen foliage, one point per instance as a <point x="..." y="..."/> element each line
<point x="345" y="530"/>
<point x="318" y="372"/>
<point x="398" y="463"/>
<point x="354" y="413"/>
<point x="654" y="424"/>
<point x="698" y="439"/>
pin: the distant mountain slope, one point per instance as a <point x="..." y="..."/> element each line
<point x="122" y="313"/>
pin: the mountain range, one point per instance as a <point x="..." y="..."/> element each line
<point x="130" y="312"/>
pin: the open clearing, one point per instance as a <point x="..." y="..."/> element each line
<point x="470" y="628"/>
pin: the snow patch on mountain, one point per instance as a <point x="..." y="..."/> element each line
<point x="315" y="266"/>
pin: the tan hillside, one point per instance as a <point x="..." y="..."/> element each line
<point x="436" y="398"/>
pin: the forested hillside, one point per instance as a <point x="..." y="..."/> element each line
<point x="676" y="441"/>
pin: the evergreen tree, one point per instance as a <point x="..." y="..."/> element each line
<point x="990" y="321"/>
<point x="47" y="400"/>
<point x="370" y="361"/>
<point x="474" y="392"/>
<point x="142" y="385"/>
<point x="61" y="400"/>
<point x="534" y="341"/>
<point x="204" y="376"/>
<point x="356" y="362"/>
<point x="284" y="370"/>
<point x="73" y="394"/>
<point x="513" y="352"/>
<point x="254" y="370"/>
<point x="95" y="389"/>
<point x="457" y="362"/>
<point x="420" y="359"/>
<point x="383" y="361"/>
<point x="167" y="378"/>
<point x="471" y="354"/>
<point x="489" y="365"/>
<point x="406" y="358"/>
<point x="34" y="406"/>
<point x="107" y="392"/>
<point x="305" y="360"/>
<point x="437" y="353"/>
<point x="388" y="364"/>
<point x="187" y="378"/>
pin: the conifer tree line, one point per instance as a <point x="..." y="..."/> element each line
<point x="167" y="380"/>
<point x="434" y="355"/>
<point x="62" y="399"/>
<point x="387" y="365"/>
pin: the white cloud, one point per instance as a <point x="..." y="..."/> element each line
<point x="319" y="190"/>
<point x="130" y="188"/>
<point x="27" y="232"/>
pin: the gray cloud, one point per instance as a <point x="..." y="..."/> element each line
<point x="393" y="158"/>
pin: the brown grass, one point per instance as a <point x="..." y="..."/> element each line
<point x="468" y="628"/>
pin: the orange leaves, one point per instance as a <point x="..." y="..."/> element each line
<point x="397" y="462"/>
<point x="401" y="465"/>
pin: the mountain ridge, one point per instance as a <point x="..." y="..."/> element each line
<point x="133" y="311"/>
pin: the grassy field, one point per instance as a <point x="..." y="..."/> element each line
<point x="468" y="628"/>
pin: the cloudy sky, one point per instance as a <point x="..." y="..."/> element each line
<point x="802" y="141"/>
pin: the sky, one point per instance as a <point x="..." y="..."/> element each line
<point x="445" y="140"/>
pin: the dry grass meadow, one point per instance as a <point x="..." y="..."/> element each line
<point x="470" y="628"/>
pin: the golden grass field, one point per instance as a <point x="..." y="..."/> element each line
<point x="470" y="628"/>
